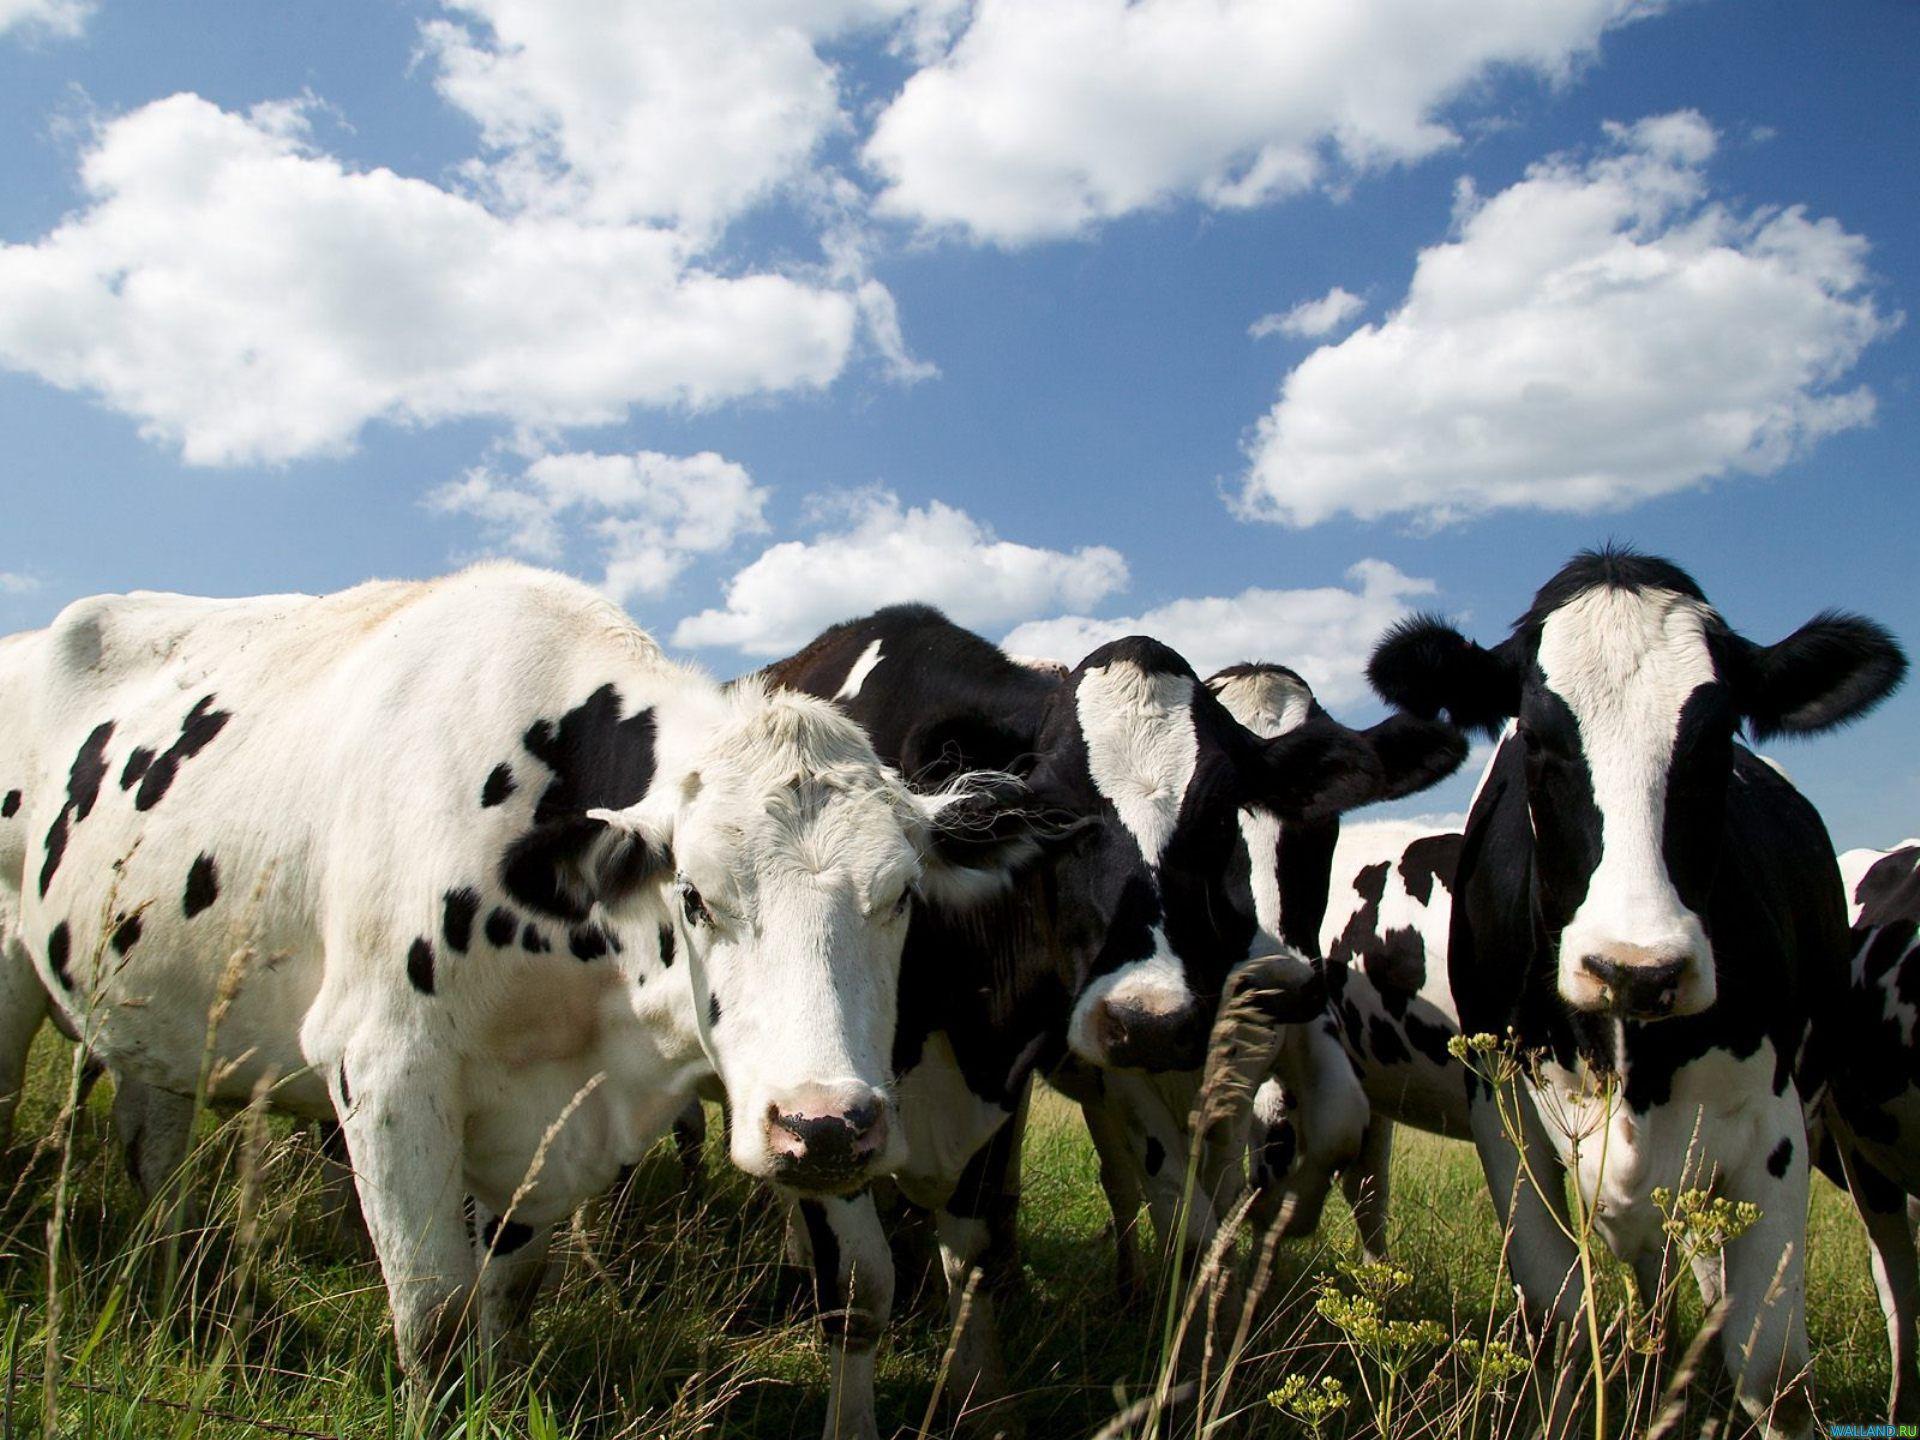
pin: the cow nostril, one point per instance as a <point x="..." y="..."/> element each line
<point x="1606" y="971"/>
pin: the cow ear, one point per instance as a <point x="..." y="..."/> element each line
<point x="1414" y="753"/>
<point x="1315" y="771"/>
<point x="565" y="866"/>
<point x="1425" y="666"/>
<point x="1833" y="669"/>
<point x="982" y="829"/>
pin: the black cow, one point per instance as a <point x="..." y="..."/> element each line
<point x="1115" y="951"/>
<point x="1140" y="1122"/>
<point x="1656" y="914"/>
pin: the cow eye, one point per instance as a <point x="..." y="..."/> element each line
<point x="695" y="907"/>
<point x="903" y="904"/>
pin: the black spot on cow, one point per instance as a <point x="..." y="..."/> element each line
<point x="138" y="759"/>
<point x="587" y="942"/>
<point x="1781" y="1157"/>
<point x="126" y="934"/>
<point x="202" y="723"/>
<point x="59" y="950"/>
<point x="10" y="806"/>
<point x="505" y="1237"/>
<point x="502" y="925"/>
<point x="420" y="965"/>
<point x="598" y="761"/>
<point x="713" y="1012"/>
<point x="1276" y="1153"/>
<point x="1430" y="858"/>
<point x="83" y="788"/>
<point x="1155" y="1157"/>
<point x="500" y="784"/>
<point x="456" y="920"/>
<point x="203" y="885"/>
<point x="1429" y="1039"/>
<point x="346" y="1090"/>
<point x="666" y="947"/>
<point x="533" y="940"/>
<point x="1388" y="1048"/>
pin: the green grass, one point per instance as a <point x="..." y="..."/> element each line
<point x="676" y="1319"/>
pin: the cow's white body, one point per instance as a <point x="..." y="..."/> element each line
<point x="368" y="950"/>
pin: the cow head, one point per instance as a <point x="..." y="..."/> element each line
<point x="1150" y="903"/>
<point x="1290" y="863"/>
<point x="1626" y="690"/>
<point x="792" y="859"/>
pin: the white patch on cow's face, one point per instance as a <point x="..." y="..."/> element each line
<point x="796" y="852"/>
<point x="1141" y="747"/>
<point x="857" y="676"/>
<point x="1141" y="752"/>
<point x="1625" y="662"/>
<point x="1269" y="703"/>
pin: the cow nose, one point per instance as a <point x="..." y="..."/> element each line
<point x="1135" y="1038"/>
<point x="825" y="1139"/>
<point x="1638" y="990"/>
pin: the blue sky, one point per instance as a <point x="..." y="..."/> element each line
<point x="762" y="314"/>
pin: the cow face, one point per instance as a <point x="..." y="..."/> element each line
<point x="1152" y="903"/>
<point x="1626" y="689"/>
<point x="798" y="859"/>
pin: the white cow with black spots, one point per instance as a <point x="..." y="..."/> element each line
<point x="471" y="866"/>
<point x="1656" y="912"/>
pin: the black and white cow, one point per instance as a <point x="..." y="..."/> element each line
<point x="470" y="865"/>
<point x="1657" y="913"/>
<point x="1875" y="1094"/>
<point x="1114" y="953"/>
<point x="1378" y="1057"/>
<point x="1140" y="1122"/>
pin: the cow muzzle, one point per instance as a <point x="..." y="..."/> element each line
<point x="1639" y="984"/>
<point x="1135" y="1037"/>
<point x="827" y="1139"/>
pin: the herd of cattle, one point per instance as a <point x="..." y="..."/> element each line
<point x="471" y="868"/>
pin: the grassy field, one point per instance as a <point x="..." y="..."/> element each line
<point x="676" y="1319"/>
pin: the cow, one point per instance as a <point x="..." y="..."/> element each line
<point x="1655" y="917"/>
<point x="470" y="866"/>
<point x="1114" y="953"/>
<point x="1875" y="1096"/>
<point x="1379" y="1056"/>
<point x="1140" y="1122"/>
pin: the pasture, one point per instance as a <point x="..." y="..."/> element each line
<point x="676" y="1319"/>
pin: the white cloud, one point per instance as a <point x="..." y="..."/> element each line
<point x="12" y="582"/>
<point x="649" y="513"/>
<point x="63" y="18"/>
<point x="683" y="112"/>
<point x="1598" y="334"/>
<point x="1325" y="633"/>
<point x="1044" y="119"/>
<point x="251" y="299"/>
<point x="1311" y="319"/>
<point x="882" y="554"/>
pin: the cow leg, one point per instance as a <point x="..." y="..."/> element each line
<point x="404" y="1136"/>
<point x="1542" y="1260"/>
<point x="23" y="1005"/>
<point x="155" y="1129"/>
<point x="1367" y="1183"/>
<point x="339" y="1202"/>
<point x="1764" y="1339"/>
<point x="1120" y="1182"/>
<point x="1003" y="1216"/>
<point x="690" y="1140"/>
<point x="1883" y="1207"/>
<point x="976" y="1373"/>
<point x="512" y="1262"/>
<point x="853" y="1284"/>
